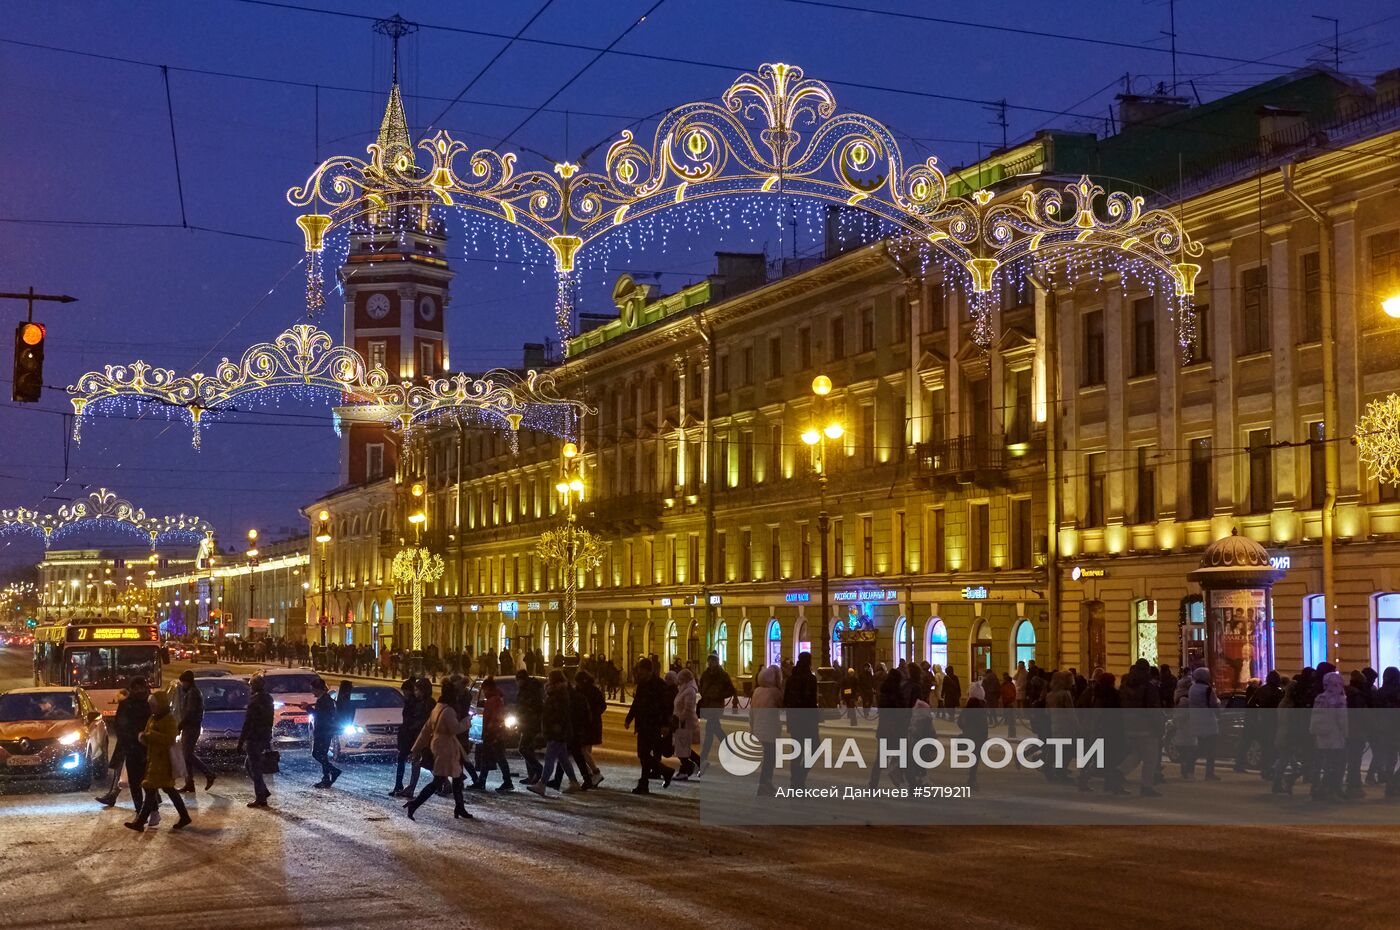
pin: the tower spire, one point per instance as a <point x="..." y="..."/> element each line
<point x="394" y="139"/>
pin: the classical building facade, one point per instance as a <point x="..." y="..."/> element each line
<point x="1045" y="498"/>
<point x="232" y="594"/>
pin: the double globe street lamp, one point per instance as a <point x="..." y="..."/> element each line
<point x="825" y="427"/>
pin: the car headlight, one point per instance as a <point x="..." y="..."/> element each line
<point x="70" y="738"/>
<point x="511" y="721"/>
<point x="351" y="729"/>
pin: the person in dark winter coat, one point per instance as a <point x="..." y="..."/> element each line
<point x="800" y="695"/>
<point x="1143" y="724"/>
<point x="191" y="720"/>
<point x="1259" y="724"/>
<point x="529" y="707"/>
<point x="951" y="698"/>
<point x="716" y="689"/>
<point x="409" y="727"/>
<point x="492" y="751"/>
<point x="129" y="723"/>
<point x="558" y="725"/>
<point x="649" y="712"/>
<point x="256" y="738"/>
<point x="159" y="739"/>
<point x="1385" y="735"/>
<point x="589" y="706"/>
<point x="892" y="725"/>
<point x="972" y="723"/>
<point x="323" y="732"/>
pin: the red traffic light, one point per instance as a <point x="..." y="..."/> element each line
<point x="31" y="334"/>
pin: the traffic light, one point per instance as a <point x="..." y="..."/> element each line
<point x="29" y="363"/>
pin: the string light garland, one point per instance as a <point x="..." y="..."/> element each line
<point x="305" y="362"/>
<point x="100" y="508"/>
<point x="773" y="133"/>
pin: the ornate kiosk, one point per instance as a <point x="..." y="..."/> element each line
<point x="1236" y="584"/>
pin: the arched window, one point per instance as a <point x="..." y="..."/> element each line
<point x="722" y="642"/>
<point x="502" y="637"/>
<point x="544" y="641"/>
<point x="937" y="643"/>
<point x="775" y="643"/>
<point x="1145" y="630"/>
<point x="1388" y="631"/>
<point x="746" y="647"/>
<point x="1315" y="629"/>
<point x="1025" y="642"/>
<point x="672" y="642"/>
<point x="801" y="643"/>
<point x="903" y="641"/>
<point x="837" y="629"/>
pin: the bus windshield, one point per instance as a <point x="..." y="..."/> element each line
<point x="100" y="668"/>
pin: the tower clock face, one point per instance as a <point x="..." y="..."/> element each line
<point x="377" y="306"/>
<point x="427" y="309"/>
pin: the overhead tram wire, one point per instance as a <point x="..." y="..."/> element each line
<point x="487" y="67"/>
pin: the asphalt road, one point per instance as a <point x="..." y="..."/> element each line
<point x="351" y="858"/>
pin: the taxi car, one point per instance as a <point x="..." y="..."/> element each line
<point x="51" y="733"/>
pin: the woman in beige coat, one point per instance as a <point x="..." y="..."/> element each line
<point x="439" y="739"/>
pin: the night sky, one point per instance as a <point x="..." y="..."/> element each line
<point x="89" y="203"/>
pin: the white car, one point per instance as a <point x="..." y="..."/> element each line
<point x="290" y="689"/>
<point x="374" y="731"/>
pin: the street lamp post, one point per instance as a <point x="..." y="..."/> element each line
<point x="570" y="488"/>
<point x="323" y="536"/>
<point x="252" y="555"/>
<point x="816" y="437"/>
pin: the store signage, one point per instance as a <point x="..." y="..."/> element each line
<point x="553" y="605"/>
<point x="80" y="634"/>
<point x="508" y="607"/>
<point x="474" y="607"/>
<point x="797" y="597"/>
<point x="715" y="600"/>
<point x="1079" y="573"/>
<point x="975" y="593"/>
<point x="534" y="605"/>
<point x="665" y="602"/>
<point x="1281" y="563"/>
<point x="867" y="594"/>
<point x="437" y="608"/>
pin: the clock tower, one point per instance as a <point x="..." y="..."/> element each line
<point x="395" y="280"/>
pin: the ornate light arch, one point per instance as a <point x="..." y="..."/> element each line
<point x="774" y="132"/>
<point x="103" y="507"/>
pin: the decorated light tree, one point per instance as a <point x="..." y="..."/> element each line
<point x="1378" y="439"/>
<point x="570" y="547"/>
<point x="416" y="566"/>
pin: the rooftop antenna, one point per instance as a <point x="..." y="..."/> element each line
<point x="1336" y="47"/>
<point x="999" y="108"/>
<point x="395" y="27"/>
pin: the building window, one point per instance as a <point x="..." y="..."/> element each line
<point x="1254" y="310"/>
<point x="692" y="562"/>
<point x="746" y="647"/>
<point x="374" y="461"/>
<point x="1018" y="385"/>
<point x="867" y="329"/>
<point x="867" y="434"/>
<point x="938" y="553"/>
<point x="838" y="547"/>
<point x="746" y="371"/>
<point x="1314" y="629"/>
<point x="745" y="458"/>
<point x="903" y="641"/>
<point x="1200" y="479"/>
<point x="804" y="348"/>
<point x="775" y="643"/>
<point x="935" y="309"/>
<point x="867" y="546"/>
<point x="721" y="644"/>
<point x="775" y="553"/>
<point x="804" y="559"/>
<point x="902" y="541"/>
<point x="899" y="311"/>
<point x="1093" y="367"/>
<point x="979" y="518"/>
<point x="1312" y="298"/>
<point x="745" y="555"/>
<point x="775" y="356"/>
<point x="722" y="373"/>
<point x="1021" y="533"/>
<point x="1146" y="486"/>
<point x="1261" y="471"/>
<point x="1025" y="643"/>
<point x="1144" y="337"/>
<point x="774" y="471"/>
<point x="1317" y="465"/>
<point x="937" y="643"/>
<point x="1094" y="487"/>
<point x="1388" y="630"/>
<point x="1198" y="349"/>
<point x="1385" y="274"/>
<point x="838" y="338"/>
<point x="427" y="359"/>
<point x="1145" y="626"/>
<point x="379" y="355"/>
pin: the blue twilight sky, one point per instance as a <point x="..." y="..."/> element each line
<point x="89" y="175"/>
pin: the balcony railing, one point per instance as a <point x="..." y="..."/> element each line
<point x="963" y="459"/>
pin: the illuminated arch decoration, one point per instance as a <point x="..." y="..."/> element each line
<point x="104" y="508"/>
<point x="304" y="361"/>
<point x="774" y="132"/>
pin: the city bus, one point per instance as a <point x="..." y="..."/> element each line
<point x="100" y="656"/>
